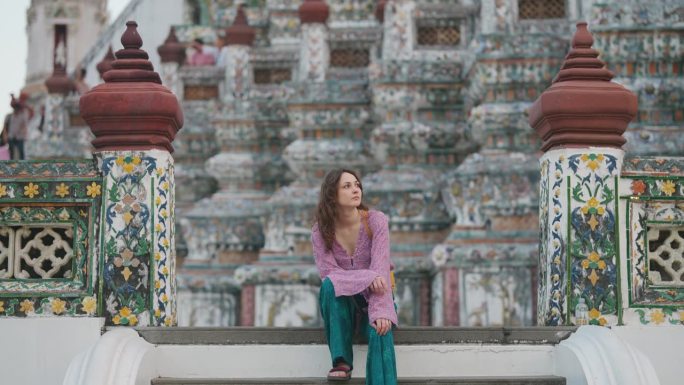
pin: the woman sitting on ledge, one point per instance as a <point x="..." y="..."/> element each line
<point x="351" y="249"/>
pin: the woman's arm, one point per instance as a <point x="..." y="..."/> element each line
<point x="381" y="305"/>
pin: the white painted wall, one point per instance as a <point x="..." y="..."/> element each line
<point x="662" y="345"/>
<point x="84" y="19"/>
<point x="154" y="18"/>
<point x="39" y="350"/>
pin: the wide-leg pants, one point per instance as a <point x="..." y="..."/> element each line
<point x="340" y="316"/>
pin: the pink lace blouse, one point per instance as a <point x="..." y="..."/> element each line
<point x="352" y="275"/>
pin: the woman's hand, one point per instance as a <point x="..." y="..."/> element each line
<point x="382" y="326"/>
<point x="378" y="286"/>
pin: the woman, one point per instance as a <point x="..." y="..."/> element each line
<point x="351" y="249"/>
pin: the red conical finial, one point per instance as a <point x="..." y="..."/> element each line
<point x="314" y="11"/>
<point x="131" y="38"/>
<point x="583" y="108"/>
<point x="582" y="62"/>
<point x="171" y="51"/>
<point x="240" y="33"/>
<point x="380" y="10"/>
<point x="131" y="110"/>
<point x="131" y="64"/>
<point x="582" y="38"/>
<point x="59" y="82"/>
<point x="106" y="63"/>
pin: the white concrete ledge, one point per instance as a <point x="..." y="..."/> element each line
<point x="595" y="355"/>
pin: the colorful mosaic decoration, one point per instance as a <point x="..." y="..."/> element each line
<point x="138" y="288"/>
<point x="580" y="238"/>
<point x="592" y="239"/>
<point x="49" y="226"/>
<point x="652" y="190"/>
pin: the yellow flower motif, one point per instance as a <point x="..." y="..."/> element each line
<point x="585" y="264"/>
<point x="594" y="313"/>
<point x="26" y="306"/>
<point x="157" y="256"/>
<point x="158" y="228"/>
<point x="160" y="171"/>
<point x="116" y="319"/>
<point x="133" y="320"/>
<point x="2" y="307"/>
<point x="62" y="190"/>
<point x="125" y="311"/>
<point x="657" y="317"/>
<point x="681" y="316"/>
<point x="593" y="161"/>
<point x="128" y="168"/>
<point x="157" y="200"/>
<point x="120" y="160"/>
<point x="3" y="190"/>
<point x="593" y="207"/>
<point x="602" y="321"/>
<point x="157" y="313"/>
<point x="157" y="284"/>
<point x="165" y="185"/>
<point x="136" y="160"/>
<point x="594" y="257"/>
<point x="58" y="306"/>
<point x="163" y="213"/>
<point x="89" y="305"/>
<point x="93" y="190"/>
<point x="165" y="242"/>
<point x="164" y="298"/>
<point x="165" y="270"/>
<point x="167" y="321"/>
<point x="31" y="190"/>
<point x="127" y="217"/>
<point x="668" y="187"/>
<point x="602" y="265"/>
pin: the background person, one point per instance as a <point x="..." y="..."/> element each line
<point x="18" y="129"/>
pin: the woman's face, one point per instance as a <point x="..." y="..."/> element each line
<point x="349" y="192"/>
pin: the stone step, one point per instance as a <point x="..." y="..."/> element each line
<point x="535" y="380"/>
<point x="308" y="336"/>
<point x="422" y="352"/>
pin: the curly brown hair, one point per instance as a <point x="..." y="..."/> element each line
<point x="326" y="211"/>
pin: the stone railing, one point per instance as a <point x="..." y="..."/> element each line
<point x="49" y="232"/>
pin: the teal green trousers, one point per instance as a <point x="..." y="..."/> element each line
<point x="340" y="317"/>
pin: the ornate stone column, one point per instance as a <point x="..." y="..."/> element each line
<point x="172" y="55"/>
<point x="51" y="143"/>
<point x="134" y="120"/>
<point x="314" y="52"/>
<point x="239" y="39"/>
<point x="580" y="119"/>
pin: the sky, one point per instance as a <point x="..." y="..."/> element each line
<point x="13" y="43"/>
